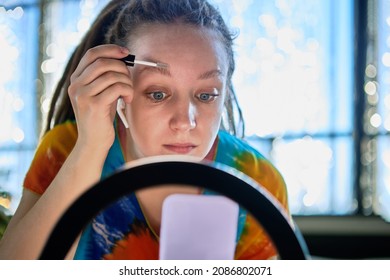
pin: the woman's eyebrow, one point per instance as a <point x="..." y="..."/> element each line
<point x="160" y="70"/>
<point x="165" y="72"/>
<point x="210" y="74"/>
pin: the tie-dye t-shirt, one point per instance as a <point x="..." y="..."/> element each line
<point x="121" y="231"/>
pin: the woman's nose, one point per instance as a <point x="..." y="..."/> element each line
<point x="183" y="117"/>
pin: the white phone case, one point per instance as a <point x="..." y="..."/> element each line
<point x="198" y="227"/>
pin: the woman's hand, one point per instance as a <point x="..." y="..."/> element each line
<point x="95" y="86"/>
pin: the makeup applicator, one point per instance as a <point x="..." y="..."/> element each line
<point x="131" y="61"/>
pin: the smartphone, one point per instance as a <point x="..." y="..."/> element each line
<point x="198" y="227"/>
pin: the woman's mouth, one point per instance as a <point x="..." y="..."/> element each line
<point x="180" y="148"/>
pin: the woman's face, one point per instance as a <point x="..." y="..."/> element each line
<point x="176" y="110"/>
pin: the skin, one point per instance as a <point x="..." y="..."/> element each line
<point x="179" y="124"/>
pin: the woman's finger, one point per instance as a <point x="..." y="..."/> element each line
<point x="101" y="66"/>
<point x="104" y="81"/>
<point x="102" y="51"/>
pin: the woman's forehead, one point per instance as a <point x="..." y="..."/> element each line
<point x="169" y="41"/>
<point x="173" y="31"/>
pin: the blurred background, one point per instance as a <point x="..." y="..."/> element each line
<point x="313" y="81"/>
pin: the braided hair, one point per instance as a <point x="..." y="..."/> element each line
<point x="116" y="24"/>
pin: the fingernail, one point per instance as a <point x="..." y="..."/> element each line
<point x="125" y="50"/>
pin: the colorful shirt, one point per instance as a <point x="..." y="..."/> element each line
<point x="121" y="231"/>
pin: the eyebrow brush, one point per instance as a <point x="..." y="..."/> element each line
<point x="131" y="61"/>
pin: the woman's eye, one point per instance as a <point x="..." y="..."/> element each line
<point x="157" y="96"/>
<point x="207" y="97"/>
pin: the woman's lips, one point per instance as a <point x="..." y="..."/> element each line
<point x="184" y="148"/>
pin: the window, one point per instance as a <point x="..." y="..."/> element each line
<point x="32" y="60"/>
<point x="378" y="110"/>
<point x="295" y="79"/>
<point x="18" y="109"/>
<point x="294" y="82"/>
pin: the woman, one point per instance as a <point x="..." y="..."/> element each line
<point x="184" y="109"/>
